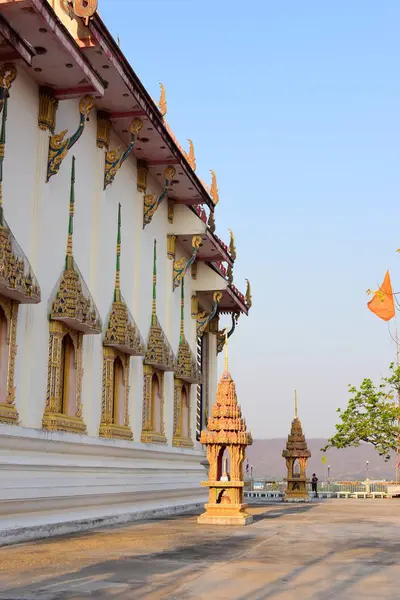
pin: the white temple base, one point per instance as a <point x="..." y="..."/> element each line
<point x="55" y="482"/>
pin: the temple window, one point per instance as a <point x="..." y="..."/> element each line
<point x="68" y="377"/>
<point x="156" y="402"/>
<point x="185" y="425"/>
<point x="4" y="355"/>
<point x="8" y="351"/>
<point x="186" y="373"/>
<point x="158" y="359"/>
<point x="119" y="393"/>
<point x="121" y="341"/>
<point x="63" y="410"/>
<point x="115" y="421"/>
<point x="72" y="315"/>
<point x="182" y="435"/>
<point x="153" y="415"/>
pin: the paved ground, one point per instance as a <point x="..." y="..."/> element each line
<point x="337" y="549"/>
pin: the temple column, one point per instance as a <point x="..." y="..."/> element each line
<point x="212" y="369"/>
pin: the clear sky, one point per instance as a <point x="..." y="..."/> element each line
<point x="296" y="106"/>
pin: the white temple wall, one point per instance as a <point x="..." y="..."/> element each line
<point x="52" y="476"/>
<point x="38" y="215"/>
<point x="72" y="482"/>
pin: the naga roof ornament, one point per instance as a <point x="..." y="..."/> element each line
<point x="73" y="303"/>
<point x="204" y="318"/>
<point x="162" y="104"/>
<point x="122" y="333"/>
<point x="211" y="222"/>
<point x="182" y="265"/>
<point x="249" y="298"/>
<point x="115" y="159"/>
<point x="214" y="190"/>
<point x="221" y="337"/>
<point x="191" y="157"/>
<point x="232" y="245"/>
<point x="59" y="147"/>
<point x="151" y="202"/>
<point x="186" y="363"/>
<point x="17" y="280"/>
<point x="159" y="353"/>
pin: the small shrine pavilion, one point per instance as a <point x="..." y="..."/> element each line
<point x="226" y="430"/>
<point x="296" y="455"/>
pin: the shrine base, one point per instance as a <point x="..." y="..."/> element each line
<point x="231" y="514"/>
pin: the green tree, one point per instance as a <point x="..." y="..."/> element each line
<point x="372" y="416"/>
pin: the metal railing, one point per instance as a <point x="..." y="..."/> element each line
<point x="366" y="488"/>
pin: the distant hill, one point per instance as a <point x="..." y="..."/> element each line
<point x="349" y="463"/>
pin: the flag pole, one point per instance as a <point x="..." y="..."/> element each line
<point x="398" y="397"/>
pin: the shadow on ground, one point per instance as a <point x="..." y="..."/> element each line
<point x="284" y="560"/>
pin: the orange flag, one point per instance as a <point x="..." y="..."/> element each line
<point x="382" y="304"/>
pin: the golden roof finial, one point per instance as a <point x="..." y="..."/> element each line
<point x="214" y="190"/>
<point x="191" y="157"/>
<point x="162" y="104"/>
<point x="295" y="404"/>
<point x="232" y="245"/>
<point x="249" y="299"/>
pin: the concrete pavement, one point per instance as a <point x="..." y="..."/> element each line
<point x="336" y="549"/>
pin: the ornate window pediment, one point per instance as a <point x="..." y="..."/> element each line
<point x="17" y="280"/>
<point x="186" y="364"/>
<point x="159" y="353"/>
<point x="122" y="332"/>
<point x="72" y="302"/>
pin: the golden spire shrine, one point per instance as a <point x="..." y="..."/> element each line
<point x="226" y="430"/>
<point x="296" y="454"/>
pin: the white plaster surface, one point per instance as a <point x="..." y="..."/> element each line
<point x="53" y="477"/>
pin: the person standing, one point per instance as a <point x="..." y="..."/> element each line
<point x="314" y="484"/>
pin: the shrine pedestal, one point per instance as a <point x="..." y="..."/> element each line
<point x="296" y="489"/>
<point x="227" y="507"/>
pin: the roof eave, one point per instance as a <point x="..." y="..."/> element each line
<point x="216" y="243"/>
<point x="44" y="9"/>
<point x="104" y="38"/>
<point x="21" y="46"/>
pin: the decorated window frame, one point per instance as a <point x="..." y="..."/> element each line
<point x="108" y="427"/>
<point x="54" y="419"/>
<point x="179" y="439"/>
<point x="8" y="410"/>
<point x="149" y="432"/>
